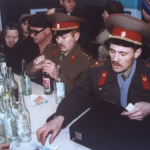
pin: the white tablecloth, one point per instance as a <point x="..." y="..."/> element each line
<point x="38" y="116"/>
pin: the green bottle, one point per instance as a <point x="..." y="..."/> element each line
<point x="25" y="80"/>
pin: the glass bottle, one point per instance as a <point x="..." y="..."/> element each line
<point x="2" y="58"/>
<point x="25" y="80"/>
<point x="11" y="126"/>
<point x="23" y="121"/>
<point x="1" y="82"/>
<point x="59" y="86"/>
<point x="47" y="84"/>
<point x="14" y="85"/>
<point x="6" y="91"/>
<point x="2" y="132"/>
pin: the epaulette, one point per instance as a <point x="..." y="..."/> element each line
<point x="148" y="64"/>
<point x="50" y="45"/>
<point x="97" y="63"/>
<point x="89" y="57"/>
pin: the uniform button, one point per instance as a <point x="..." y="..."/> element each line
<point x="87" y="58"/>
<point x="100" y="89"/>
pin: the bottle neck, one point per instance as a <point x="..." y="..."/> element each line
<point x="11" y="75"/>
<point x="23" y="67"/>
<point x="21" y="106"/>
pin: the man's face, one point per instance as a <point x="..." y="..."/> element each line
<point x="11" y="37"/>
<point x="40" y="37"/>
<point x="25" y="27"/>
<point x="69" y="5"/>
<point x="122" y="58"/>
<point x="66" y="42"/>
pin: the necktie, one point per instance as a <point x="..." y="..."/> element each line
<point x="123" y="77"/>
<point x="62" y="56"/>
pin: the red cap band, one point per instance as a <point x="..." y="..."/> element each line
<point x="126" y="35"/>
<point x="66" y="26"/>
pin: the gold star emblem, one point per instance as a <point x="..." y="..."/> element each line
<point x="123" y="34"/>
<point x="72" y="56"/>
<point x="144" y="79"/>
<point x="58" y="25"/>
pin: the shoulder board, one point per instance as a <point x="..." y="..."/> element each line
<point x="89" y="57"/>
<point x="52" y="45"/>
<point x="148" y="64"/>
<point x="97" y="63"/>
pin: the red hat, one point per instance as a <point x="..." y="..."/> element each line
<point x="127" y="28"/>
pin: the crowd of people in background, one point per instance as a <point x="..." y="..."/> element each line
<point x="33" y="36"/>
<point x="20" y="42"/>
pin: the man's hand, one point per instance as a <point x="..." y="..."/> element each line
<point x="53" y="126"/>
<point x="37" y="63"/>
<point x="50" y="68"/>
<point x="4" y="147"/>
<point x="139" y="112"/>
<point x="145" y="15"/>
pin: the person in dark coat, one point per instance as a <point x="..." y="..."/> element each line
<point x="12" y="40"/>
<point x="121" y="80"/>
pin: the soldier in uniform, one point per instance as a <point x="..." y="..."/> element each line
<point x="123" y="79"/>
<point x="72" y="58"/>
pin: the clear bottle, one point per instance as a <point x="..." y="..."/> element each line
<point x="23" y="121"/>
<point x="25" y="80"/>
<point x="11" y="126"/>
<point x="1" y="82"/>
<point x="59" y="86"/>
<point x="6" y="91"/>
<point x="2" y="132"/>
<point x="2" y="59"/>
<point x="47" y="84"/>
<point x="14" y="85"/>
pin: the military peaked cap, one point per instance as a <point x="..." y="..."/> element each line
<point x="128" y="28"/>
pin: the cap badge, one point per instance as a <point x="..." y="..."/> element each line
<point x="58" y="25"/>
<point x="123" y="34"/>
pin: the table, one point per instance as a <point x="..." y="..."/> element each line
<point x="38" y="116"/>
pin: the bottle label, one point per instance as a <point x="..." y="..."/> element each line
<point x="46" y="84"/>
<point x="60" y="89"/>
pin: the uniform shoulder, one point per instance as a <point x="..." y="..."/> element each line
<point x="96" y="64"/>
<point x="86" y="55"/>
<point x="147" y="64"/>
<point x="50" y="47"/>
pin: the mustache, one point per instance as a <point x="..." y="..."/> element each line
<point x="116" y="63"/>
<point x="61" y="45"/>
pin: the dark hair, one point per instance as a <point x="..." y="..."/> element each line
<point x="10" y="27"/>
<point x="123" y="43"/>
<point x="24" y="19"/>
<point x="114" y="7"/>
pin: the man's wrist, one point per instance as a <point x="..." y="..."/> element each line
<point x="59" y="118"/>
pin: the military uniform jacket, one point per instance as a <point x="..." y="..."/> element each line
<point x="74" y="66"/>
<point x="102" y="84"/>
